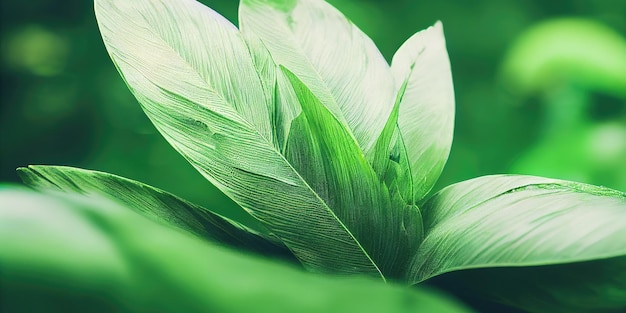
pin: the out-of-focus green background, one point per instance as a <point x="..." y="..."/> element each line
<point x="540" y="89"/>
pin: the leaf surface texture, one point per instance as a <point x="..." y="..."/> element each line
<point x="335" y="59"/>
<point x="511" y="228"/>
<point x="426" y="112"/>
<point x="212" y="94"/>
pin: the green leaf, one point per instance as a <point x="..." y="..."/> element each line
<point x="334" y="58"/>
<point x="321" y="149"/>
<point x="72" y="253"/>
<point x="155" y="203"/>
<point x="524" y="223"/>
<point x="198" y="82"/>
<point x="426" y="116"/>
<point x="389" y="158"/>
<point x="282" y="102"/>
<point x="266" y="70"/>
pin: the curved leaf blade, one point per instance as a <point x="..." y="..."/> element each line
<point x="211" y="107"/>
<point x="426" y="116"/>
<point x="335" y="59"/>
<point x="67" y="252"/>
<point x="524" y="223"/>
<point x="321" y="149"/>
<point x="154" y="203"/>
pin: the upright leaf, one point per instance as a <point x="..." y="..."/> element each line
<point x="282" y="103"/>
<point x="196" y="80"/>
<point x="155" y="203"/>
<point x="525" y="223"/>
<point x="321" y="149"/>
<point x="335" y="59"/>
<point x="426" y="116"/>
<point x="71" y="253"/>
<point x="389" y="158"/>
<point x="266" y="70"/>
<point x="287" y="108"/>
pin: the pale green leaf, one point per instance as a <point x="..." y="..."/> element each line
<point x="71" y="253"/>
<point x="426" y="116"/>
<point x="282" y="102"/>
<point x="334" y="58"/>
<point x="155" y="203"/>
<point x="287" y="108"/>
<point x="197" y="81"/>
<point x="524" y="223"/>
<point x="266" y="70"/>
<point x="321" y="149"/>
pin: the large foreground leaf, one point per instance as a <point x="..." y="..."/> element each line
<point x="197" y="80"/>
<point x="334" y="58"/>
<point x="70" y="253"/>
<point x="536" y="228"/>
<point x="426" y="116"/>
<point x="154" y="203"/>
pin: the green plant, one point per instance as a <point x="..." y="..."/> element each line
<point x="299" y="119"/>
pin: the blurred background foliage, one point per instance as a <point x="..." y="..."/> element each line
<point x="540" y="89"/>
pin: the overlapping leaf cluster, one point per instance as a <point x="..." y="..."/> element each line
<point x="300" y="120"/>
